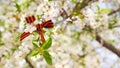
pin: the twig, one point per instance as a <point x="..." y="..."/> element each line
<point x="105" y="43"/>
<point x="114" y="11"/>
<point x="63" y="13"/>
<point x="27" y="60"/>
<point x="85" y="3"/>
<point x="98" y="38"/>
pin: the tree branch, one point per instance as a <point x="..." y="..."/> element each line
<point x="78" y="6"/>
<point x="107" y="45"/>
<point x="114" y="11"/>
<point x="27" y="60"/>
<point x="98" y="38"/>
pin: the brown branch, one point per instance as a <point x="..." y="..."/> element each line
<point x="116" y="26"/>
<point x="63" y="13"/>
<point x="98" y="38"/>
<point x="85" y="3"/>
<point x="27" y="60"/>
<point x="114" y="11"/>
<point x="107" y="45"/>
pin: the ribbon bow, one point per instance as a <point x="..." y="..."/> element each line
<point x="39" y="27"/>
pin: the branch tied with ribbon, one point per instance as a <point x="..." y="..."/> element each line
<point x="39" y="27"/>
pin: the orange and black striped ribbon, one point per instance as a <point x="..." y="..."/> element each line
<point x="48" y="24"/>
<point x="24" y="35"/>
<point x="30" y="19"/>
<point x="40" y="30"/>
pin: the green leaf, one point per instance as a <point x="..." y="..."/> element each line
<point x="47" y="57"/>
<point x="32" y="0"/>
<point x="84" y="47"/>
<point x="106" y="10"/>
<point x="38" y="17"/>
<point x="1" y="44"/>
<point x="1" y="23"/>
<point x="34" y="53"/>
<point x="24" y="4"/>
<point x="47" y="44"/>
<point x="18" y="7"/>
<point x="35" y="33"/>
<point x="74" y="1"/>
<point x="49" y="0"/>
<point x="110" y="26"/>
<point x="35" y="46"/>
<point x="7" y="56"/>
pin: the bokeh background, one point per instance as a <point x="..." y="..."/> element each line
<point x="74" y="43"/>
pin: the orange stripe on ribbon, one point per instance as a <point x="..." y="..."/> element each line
<point x="24" y="35"/>
<point x="30" y="19"/>
<point x="48" y="24"/>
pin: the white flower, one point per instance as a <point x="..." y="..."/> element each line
<point x="60" y="18"/>
<point x="30" y="28"/>
<point x="21" y="24"/>
<point x="37" y="22"/>
<point x="2" y="29"/>
<point x="54" y="20"/>
<point x="68" y="19"/>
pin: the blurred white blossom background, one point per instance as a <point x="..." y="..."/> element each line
<point x="72" y="47"/>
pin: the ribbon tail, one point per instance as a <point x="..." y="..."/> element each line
<point x="41" y="33"/>
<point x="24" y="35"/>
<point x="48" y="24"/>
